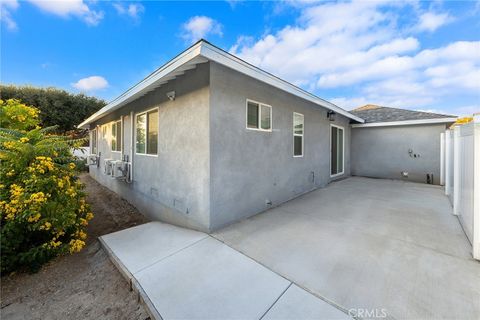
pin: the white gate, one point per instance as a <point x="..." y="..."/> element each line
<point x="462" y="178"/>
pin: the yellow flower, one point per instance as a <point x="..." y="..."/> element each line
<point x="76" y="245"/>
<point x="89" y="216"/>
<point x="71" y="165"/>
<point x="38" y="197"/>
<point x="55" y="244"/>
<point x="82" y="235"/>
<point x="83" y="222"/>
<point x="34" y="218"/>
<point x="9" y="144"/>
<point x="46" y="226"/>
<point x="24" y="139"/>
<point x="60" y="184"/>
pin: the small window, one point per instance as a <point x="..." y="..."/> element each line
<point x="116" y="138"/>
<point x="259" y="116"/>
<point x="104" y="131"/>
<point x="147" y="133"/>
<point x="93" y="141"/>
<point x="337" y="141"/>
<point x="298" y="129"/>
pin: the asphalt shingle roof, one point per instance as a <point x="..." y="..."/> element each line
<point x="372" y="113"/>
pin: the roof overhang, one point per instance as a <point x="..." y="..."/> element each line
<point x="202" y="52"/>
<point x="404" y="123"/>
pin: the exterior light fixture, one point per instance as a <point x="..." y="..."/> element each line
<point x="171" y="95"/>
<point x="331" y="115"/>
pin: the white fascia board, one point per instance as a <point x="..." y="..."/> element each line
<point x="404" y="123"/>
<point x="217" y="55"/>
<point x="148" y="82"/>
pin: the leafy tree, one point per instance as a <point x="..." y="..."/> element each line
<point x="57" y="107"/>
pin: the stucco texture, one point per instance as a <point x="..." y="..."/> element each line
<point x="383" y="152"/>
<point x="174" y="185"/>
<point x="251" y="168"/>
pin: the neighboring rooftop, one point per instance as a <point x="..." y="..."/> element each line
<point x="373" y="114"/>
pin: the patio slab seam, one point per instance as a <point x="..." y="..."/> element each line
<point x="168" y="256"/>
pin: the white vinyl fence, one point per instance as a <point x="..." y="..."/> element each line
<point x="462" y="177"/>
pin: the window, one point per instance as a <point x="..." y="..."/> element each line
<point x="337" y="140"/>
<point x="147" y="132"/>
<point x="104" y="131"/>
<point x="298" y="127"/>
<point x="116" y="137"/>
<point x="259" y="116"/>
<point x="93" y="140"/>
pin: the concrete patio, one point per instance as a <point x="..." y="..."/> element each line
<point x="185" y="274"/>
<point x="369" y="245"/>
<point x="361" y="247"/>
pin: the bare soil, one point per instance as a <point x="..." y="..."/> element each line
<point x="84" y="285"/>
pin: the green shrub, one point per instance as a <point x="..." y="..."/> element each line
<point x="42" y="203"/>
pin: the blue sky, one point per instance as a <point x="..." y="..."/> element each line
<point x="414" y="54"/>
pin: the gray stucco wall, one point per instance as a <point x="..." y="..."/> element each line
<point x="382" y="152"/>
<point x="249" y="168"/>
<point x="173" y="186"/>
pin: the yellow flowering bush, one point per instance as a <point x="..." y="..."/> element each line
<point x="43" y="212"/>
<point x="15" y="115"/>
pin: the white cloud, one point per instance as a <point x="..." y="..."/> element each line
<point x="360" y="47"/>
<point x="133" y="10"/>
<point x="431" y="21"/>
<point x="91" y="83"/>
<point x="67" y="8"/>
<point x="6" y="8"/>
<point x="199" y="27"/>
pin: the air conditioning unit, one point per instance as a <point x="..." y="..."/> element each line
<point x="92" y="160"/>
<point x="107" y="166"/>
<point x="119" y="169"/>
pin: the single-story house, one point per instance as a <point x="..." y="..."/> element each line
<point x="398" y="144"/>
<point x="208" y="139"/>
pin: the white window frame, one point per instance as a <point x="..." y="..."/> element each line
<point x="260" y="105"/>
<point x="116" y="122"/>
<point x="298" y="134"/>
<point x="146" y="133"/>
<point x="343" y="151"/>
<point x="93" y="133"/>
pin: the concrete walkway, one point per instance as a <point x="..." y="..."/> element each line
<point x="184" y="274"/>
<point x="372" y="246"/>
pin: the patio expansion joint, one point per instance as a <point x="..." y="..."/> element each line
<point x="168" y="256"/>
<point x="276" y="300"/>
<point x="330" y="302"/>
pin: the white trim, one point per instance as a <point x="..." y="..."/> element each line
<point x="476" y="188"/>
<point x="442" y="158"/>
<point x="136" y="115"/>
<point x="448" y="162"/>
<point x="197" y="54"/>
<point x="298" y="135"/>
<point x="222" y="57"/>
<point x="456" y="169"/>
<point x="94" y="132"/>
<point x="343" y="151"/>
<point x="404" y="123"/>
<point x="259" y="115"/>
<point x="116" y="140"/>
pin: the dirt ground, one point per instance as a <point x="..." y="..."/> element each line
<point x="81" y="286"/>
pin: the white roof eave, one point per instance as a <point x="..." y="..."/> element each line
<point x="212" y="53"/>
<point x="404" y="123"/>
